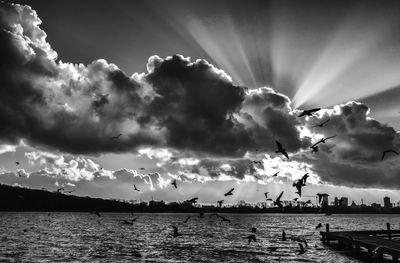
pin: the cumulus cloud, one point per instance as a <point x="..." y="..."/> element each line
<point x="184" y="113"/>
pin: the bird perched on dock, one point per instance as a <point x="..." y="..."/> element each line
<point x="174" y="184"/>
<point x="298" y="184"/>
<point x="309" y="112"/>
<point x="229" y="192"/>
<point x="314" y="148"/>
<point x="281" y="149"/>
<point x="304" y="178"/>
<point x="322" y="123"/>
<point x="251" y="238"/>
<point x="388" y="151"/>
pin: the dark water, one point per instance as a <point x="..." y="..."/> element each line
<point x="79" y="237"/>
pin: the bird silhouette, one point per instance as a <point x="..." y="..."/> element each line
<point x="142" y="168"/>
<point x="322" y="123"/>
<point x="251" y="238"/>
<point x="318" y="226"/>
<point x="304" y="178"/>
<point x="266" y="194"/>
<point x="276" y="174"/>
<point x="298" y="184"/>
<point x="17" y="163"/>
<point x="193" y="200"/>
<point x="295" y="199"/>
<point x="308" y="112"/>
<point x="283" y="236"/>
<point x="186" y="220"/>
<point x="229" y="192"/>
<point x="388" y="151"/>
<point x="219" y="203"/>
<point x="281" y="149"/>
<point x="174" y="184"/>
<point x="323" y="140"/>
<point x="175" y="233"/>
<point x="314" y="148"/>
<point x="302" y="250"/>
<point x="278" y="201"/>
<point x="135" y="188"/>
<point x="116" y="137"/>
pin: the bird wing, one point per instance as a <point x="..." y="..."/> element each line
<point x="313" y="110"/>
<point x="285" y="153"/>
<point x="279" y="197"/>
<point x="279" y="145"/>
<point x="330" y="137"/>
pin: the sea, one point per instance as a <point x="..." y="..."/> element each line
<point x="85" y="237"/>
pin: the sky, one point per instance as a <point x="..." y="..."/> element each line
<point x="96" y="97"/>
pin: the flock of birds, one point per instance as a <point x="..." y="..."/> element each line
<point x="298" y="185"/>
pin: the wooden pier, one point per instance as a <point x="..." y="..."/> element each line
<point x="377" y="243"/>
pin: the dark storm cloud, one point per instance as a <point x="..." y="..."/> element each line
<point x="178" y="103"/>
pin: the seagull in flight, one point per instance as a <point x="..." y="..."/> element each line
<point x="266" y="194"/>
<point x="321" y="124"/>
<point x="308" y="112"/>
<point x="17" y="163"/>
<point x="116" y="137"/>
<point x="281" y="149"/>
<point x="174" y="184"/>
<point x="276" y="174"/>
<point x="318" y="226"/>
<point x="314" y="148"/>
<point x="388" y="151"/>
<point x="304" y="178"/>
<point x="323" y="140"/>
<point x="229" y="192"/>
<point x="135" y="188"/>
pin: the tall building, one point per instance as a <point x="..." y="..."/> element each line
<point x="386" y="202"/>
<point x="345" y="201"/>
<point x="336" y="203"/>
<point x="325" y="200"/>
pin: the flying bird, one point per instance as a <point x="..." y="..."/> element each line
<point x="322" y="123"/>
<point x="135" y="188"/>
<point x="304" y="178"/>
<point x="318" y="226"/>
<point x="186" y="220"/>
<point x="281" y="149"/>
<point x="308" y="112"/>
<point x="298" y="184"/>
<point x="314" y="148"/>
<point x="266" y="194"/>
<point x="302" y="250"/>
<point x="229" y="192"/>
<point x="174" y="184"/>
<point x="17" y="163"/>
<point x="388" y="151"/>
<point x="142" y="168"/>
<point x="176" y="233"/>
<point x="116" y="137"/>
<point x="323" y="140"/>
<point x="276" y="174"/>
<point x="295" y="199"/>
<point x="278" y="201"/>
<point x="251" y="238"/>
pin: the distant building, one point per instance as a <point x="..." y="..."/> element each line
<point x="336" y="202"/>
<point x="386" y="202"/>
<point x="325" y="200"/>
<point x="353" y="205"/>
<point x="344" y="201"/>
<point x="375" y="205"/>
<point x="242" y="203"/>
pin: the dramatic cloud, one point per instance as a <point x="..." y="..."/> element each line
<point x="187" y="115"/>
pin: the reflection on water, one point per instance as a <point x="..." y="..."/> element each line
<point x="80" y="237"/>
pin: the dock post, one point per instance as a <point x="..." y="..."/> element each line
<point x="388" y="229"/>
<point x="327" y="231"/>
